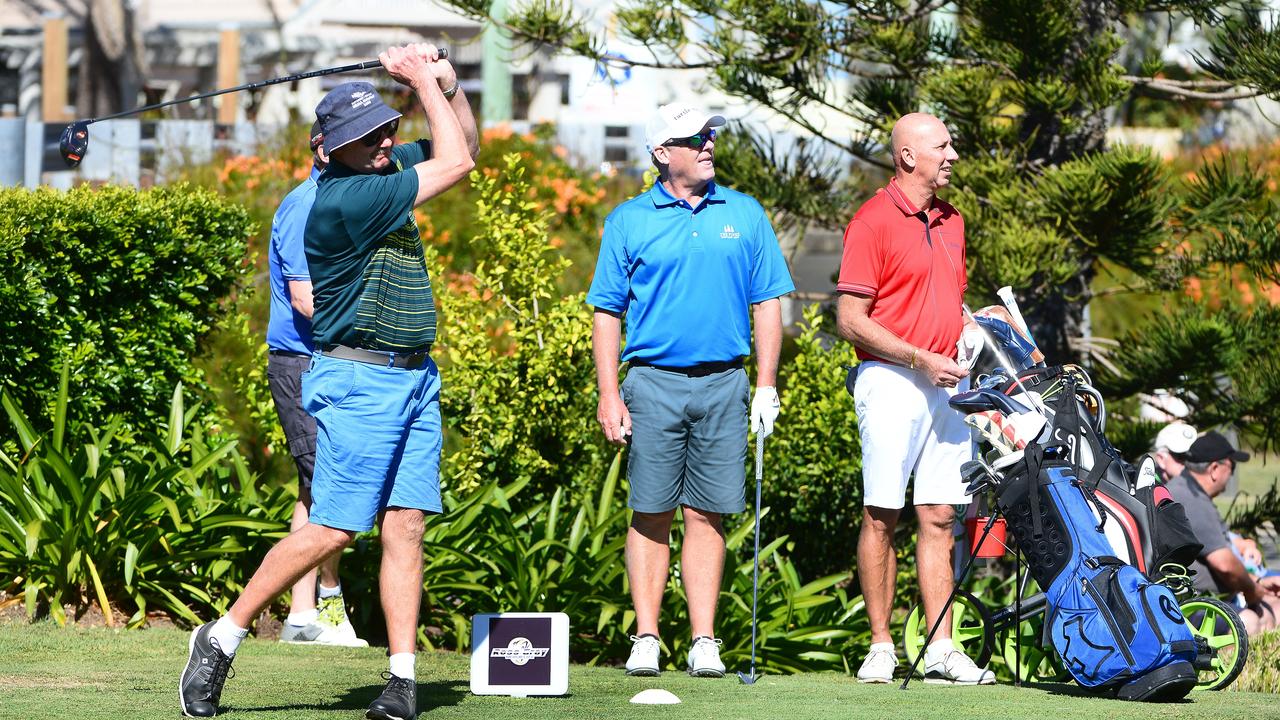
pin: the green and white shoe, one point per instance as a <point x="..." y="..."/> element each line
<point x="337" y="627"/>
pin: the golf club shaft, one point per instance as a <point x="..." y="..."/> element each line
<point x="366" y="65"/>
<point x="755" y="564"/>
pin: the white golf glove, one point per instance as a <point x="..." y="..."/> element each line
<point x="969" y="346"/>
<point x="765" y="407"/>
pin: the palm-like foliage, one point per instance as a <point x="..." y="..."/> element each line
<point x="163" y="521"/>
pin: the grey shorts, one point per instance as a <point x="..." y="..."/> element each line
<point x="284" y="377"/>
<point x="688" y="440"/>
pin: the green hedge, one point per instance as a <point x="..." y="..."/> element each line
<point x="117" y="284"/>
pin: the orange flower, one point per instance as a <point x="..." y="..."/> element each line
<point x="1193" y="289"/>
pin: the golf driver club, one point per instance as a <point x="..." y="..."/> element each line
<point x="74" y="143"/>
<point x="755" y="563"/>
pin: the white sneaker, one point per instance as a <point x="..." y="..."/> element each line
<point x="332" y="616"/>
<point x="955" y="668"/>
<point x="644" y="656"/>
<point x="878" y="667"/>
<point x="704" y="657"/>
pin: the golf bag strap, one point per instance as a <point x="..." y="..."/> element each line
<point x="1069" y="409"/>
<point x="1034" y="465"/>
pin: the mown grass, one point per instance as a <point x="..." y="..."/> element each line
<point x="48" y="672"/>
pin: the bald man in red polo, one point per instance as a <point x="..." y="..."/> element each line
<point x="901" y="286"/>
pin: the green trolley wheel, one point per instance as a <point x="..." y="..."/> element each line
<point x="1036" y="663"/>
<point x="971" y="629"/>
<point x="1217" y="624"/>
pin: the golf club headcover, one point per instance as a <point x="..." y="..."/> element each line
<point x="991" y="424"/>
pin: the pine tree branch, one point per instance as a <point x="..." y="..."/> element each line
<point x="1185" y="90"/>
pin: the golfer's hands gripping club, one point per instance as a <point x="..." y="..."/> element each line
<point x="941" y="370"/>
<point x="614" y="419"/>
<point x="446" y="75"/>
<point x="416" y="65"/>
<point x="765" y="407"/>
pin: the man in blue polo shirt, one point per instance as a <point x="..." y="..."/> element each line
<point x="289" y="353"/>
<point x="688" y="263"/>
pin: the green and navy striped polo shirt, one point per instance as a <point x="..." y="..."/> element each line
<point x="369" y="277"/>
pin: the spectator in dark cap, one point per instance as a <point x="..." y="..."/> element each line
<point x="371" y="385"/>
<point x="1209" y="464"/>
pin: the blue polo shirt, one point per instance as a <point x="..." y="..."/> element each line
<point x="287" y="328"/>
<point x="685" y="277"/>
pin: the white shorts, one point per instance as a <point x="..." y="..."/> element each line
<point x="907" y="428"/>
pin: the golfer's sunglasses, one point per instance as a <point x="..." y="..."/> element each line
<point x="376" y="137"/>
<point x="693" y="141"/>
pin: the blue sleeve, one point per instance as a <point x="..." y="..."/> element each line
<point x="287" y="232"/>
<point x="611" y="287"/>
<point x="770" y="277"/>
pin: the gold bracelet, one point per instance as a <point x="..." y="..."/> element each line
<point x="913" y="357"/>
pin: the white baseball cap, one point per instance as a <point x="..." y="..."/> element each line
<point x="677" y="120"/>
<point x="1176" y="437"/>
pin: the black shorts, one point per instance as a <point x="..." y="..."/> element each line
<point x="284" y="376"/>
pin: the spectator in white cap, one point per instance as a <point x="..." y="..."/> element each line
<point x="1170" y="448"/>
<point x="689" y="264"/>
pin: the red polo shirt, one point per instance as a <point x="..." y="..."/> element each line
<point x="916" y="280"/>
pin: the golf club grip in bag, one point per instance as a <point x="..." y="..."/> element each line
<point x="1114" y="629"/>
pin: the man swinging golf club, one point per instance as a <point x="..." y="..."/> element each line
<point x="901" y="285"/>
<point x="688" y="263"/>
<point x="373" y="388"/>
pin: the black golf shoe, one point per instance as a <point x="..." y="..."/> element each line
<point x="398" y="701"/>
<point x="207" y="671"/>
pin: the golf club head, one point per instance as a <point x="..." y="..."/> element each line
<point x="74" y="143"/>
<point x="748" y="679"/>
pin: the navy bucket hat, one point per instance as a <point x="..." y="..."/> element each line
<point x="351" y="111"/>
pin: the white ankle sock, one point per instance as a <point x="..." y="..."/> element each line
<point x="402" y="665"/>
<point x="886" y="647"/>
<point x="228" y="634"/>
<point x="938" y="648"/>
<point x="304" y="618"/>
<point x="330" y="591"/>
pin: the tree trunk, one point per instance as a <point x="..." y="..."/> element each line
<point x="113" y="63"/>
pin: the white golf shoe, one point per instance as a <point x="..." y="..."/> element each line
<point x="704" y="657"/>
<point x="955" y="668"/>
<point x="644" y="656"/>
<point x="878" y="667"/>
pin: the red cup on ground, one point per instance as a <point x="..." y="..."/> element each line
<point x="993" y="545"/>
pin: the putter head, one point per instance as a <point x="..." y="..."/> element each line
<point x="74" y="143"/>
<point x="748" y="679"/>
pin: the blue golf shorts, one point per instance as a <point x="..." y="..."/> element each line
<point x="688" y="440"/>
<point x="378" y="440"/>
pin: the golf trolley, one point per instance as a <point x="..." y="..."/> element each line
<point x="1011" y="408"/>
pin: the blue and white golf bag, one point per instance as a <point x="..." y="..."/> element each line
<point x="1114" y="629"/>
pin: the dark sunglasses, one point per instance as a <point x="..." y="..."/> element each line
<point x="693" y="141"/>
<point x="376" y="137"/>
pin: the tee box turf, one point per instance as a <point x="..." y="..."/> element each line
<point x="520" y="654"/>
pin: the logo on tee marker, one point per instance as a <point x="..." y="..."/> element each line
<point x="729" y="233"/>
<point x="519" y="651"/>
